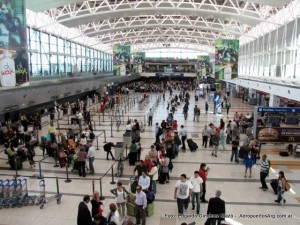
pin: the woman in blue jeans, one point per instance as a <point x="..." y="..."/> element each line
<point x="281" y="188"/>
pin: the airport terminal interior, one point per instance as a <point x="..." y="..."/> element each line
<point x="102" y="66"/>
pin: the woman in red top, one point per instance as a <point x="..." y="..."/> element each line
<point x="203" y="174"/>
<point x="148" y="163"/>
<point x="175" y="125"/>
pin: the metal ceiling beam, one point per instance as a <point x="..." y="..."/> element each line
<point x="43" y="5"/>
<point x="151" y="26"/>
<point x="87" y="17"/>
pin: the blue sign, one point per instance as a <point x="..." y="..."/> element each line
<point x="278" y="110"/>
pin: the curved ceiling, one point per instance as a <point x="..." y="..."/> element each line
<point x="164" y="21"/>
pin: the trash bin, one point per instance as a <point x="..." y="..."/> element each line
<point x="126" y="139"/>
<point x="69" y="112"/>
<point x="119" y="151"/>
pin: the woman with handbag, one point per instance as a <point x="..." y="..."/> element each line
<point x="281" y="188"/>
<point x="120" y="192"/>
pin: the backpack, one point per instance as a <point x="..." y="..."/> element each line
<point x="150" y="197"/>
<point x="92" y="136"/>
<point x="287" y="186"/>
<point x="160" y="131"/>
<point x="133" y="186"/>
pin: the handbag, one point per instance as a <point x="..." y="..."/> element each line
<point x="287" y="186"/>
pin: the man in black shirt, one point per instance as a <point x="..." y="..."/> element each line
<point x="140" y="167"/>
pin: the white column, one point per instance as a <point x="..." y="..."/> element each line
<point x="274" y="101"/>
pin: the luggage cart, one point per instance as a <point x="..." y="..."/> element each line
<point x="43" y="200"/>
<point x="4" y="193"/>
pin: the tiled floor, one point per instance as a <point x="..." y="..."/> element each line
<point x="245" y="202"/>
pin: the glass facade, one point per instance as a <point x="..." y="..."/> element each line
<point x="276" y="54"/>
<point x="53" y="56"/>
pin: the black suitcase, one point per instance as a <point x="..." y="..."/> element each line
<point x="192" y="145"/>
<point x="19" y="163"/>
<point x="274" y="185"/>
<point x="283" y="153"/>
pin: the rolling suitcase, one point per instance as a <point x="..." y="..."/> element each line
<point x="150" y="209"/>
<point x="192" y="145"/>
<point x="18" y="162"/>
<point x="274" y="185"/>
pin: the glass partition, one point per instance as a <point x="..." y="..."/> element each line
<point x="50" y="55"/>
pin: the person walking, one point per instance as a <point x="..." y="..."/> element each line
<point x="223" y="138"/>
<point x="203" y="172"/>
<point x="185" y="110"/>
<point x="215" y="143"/>
<point x="281" y="188"/>
<point x="91" y="157"/>
<point x="204" y="136"/>
<point x="215" y="210"/>
<point x="196" y="181"/>
<point x="140" y="205"/>
<point x="81" y="161"/>
<point x="150" y="118"/>
<point x="84" y="215"/>
<point x="183" y="135"/>
<point x="182" y="193"/>
<point x="248" y="162"/>
<point x="228" y="106"/>
<point x="195" y="112"/>
<point x="107" y="148"/>
<point x="120" y="192"/>
<point x="264" y="172"/>
<point x="206" y="107"/>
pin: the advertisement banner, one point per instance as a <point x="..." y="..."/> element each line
<point x="121" y="59"/>
<point x="138" y="61"/>
<point x="278" y="134"/>
<point x="226" y="55"/>
<point x="13" y="51"/>
<point x="204" y="65"/>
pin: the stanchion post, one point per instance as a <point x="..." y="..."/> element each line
<point x="57" y="187"/>
<point x="93" y="186"/>
<point x="40" y="171"/>
<point x="16" y="175"/>
<point x="94" y="125"/>
<point x="101" y="197"/>
<point x="145" y="120"/>
<point x="112" y="175"/>
<point x="68" y="180"/>
<point x="105" y="136"/>
<point x="123" y="116"/>
<point x="55" y="159"/>
<point x="68" y="119"/>
<point x="97" y="143"/>
<point x="99" y="118"/>
<point x="103" y="116"/>
<point x="111" y="125"/>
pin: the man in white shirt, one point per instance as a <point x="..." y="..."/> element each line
<point x="182" y="192"/>
<point x="183" y="135"/>
<point x="91" y="157"/>
<point x="140" y="205"/>
<point x="196" y="181"/>
<point x="144" y="181"/>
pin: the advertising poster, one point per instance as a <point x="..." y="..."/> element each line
<point x="226" y="55"/>
<point x="204" y="65"/>
<point x="138" y="61"/>
<point x="13" y="51"/>
<point x="278" y="134"/>
<point x="121" y="59"/>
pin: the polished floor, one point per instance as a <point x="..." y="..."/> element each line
<point x="245" y="203"/>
